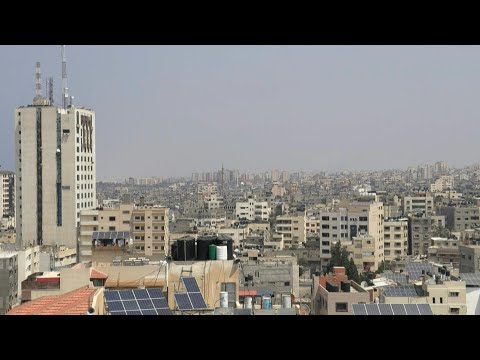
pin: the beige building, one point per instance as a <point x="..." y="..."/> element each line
<point x="442" y="183"/>
<point x="147" y="228"/>
<point x="293" y="229"/>
<point x="312" y="225"/>
<point x="446" y="297"/>
<point x="395" y="238"/>
<point x="55" y="162"/>
<point x="422" y="203"/>
<point x="252" y="210"/>
<point x="368" y="252"/>
<point x="445" y="251"/>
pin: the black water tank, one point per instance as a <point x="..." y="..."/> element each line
<point x="174" y="251"/>
<point x="186" y="248"/>
<point x="345" y="285"/>
<point x="228" y="241"/>
<point x="331" y="286"/>
<point x="203" y="242"/>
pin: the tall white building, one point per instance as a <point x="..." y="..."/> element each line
<point x="55" y="167"/>
<point x="252" y="210"/>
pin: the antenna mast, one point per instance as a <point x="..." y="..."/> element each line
<point x="38" y="81"/>
<point x="50" y="89"/>
<point x="64" y="79"/>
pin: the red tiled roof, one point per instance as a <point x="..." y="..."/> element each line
<point x="247" y="293"/>
<point x="73" y="303"/>
<point x="95" y="274"/>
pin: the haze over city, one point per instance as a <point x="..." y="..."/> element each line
<point x="174" y="110"/>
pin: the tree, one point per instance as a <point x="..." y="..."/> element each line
<point x="341" y="257"/>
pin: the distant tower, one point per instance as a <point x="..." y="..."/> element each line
<point x="64" y="79"/>
<point x="223" y="181"/>
<point x="50" y="90"/>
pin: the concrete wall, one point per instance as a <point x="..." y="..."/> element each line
<point x="273" y="277"/>
<point x="469" y="259"/>
<point x="8" y="282"/>
<point x="326" y="302"/>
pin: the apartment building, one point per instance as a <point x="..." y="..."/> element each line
<point x="460" y="217"/>
<point x="252" y="210"/>
<point x="395" y="235"/>
<point x="444" y="251"/>
<point x="421" y="203"/>
<point x="147" y="229"/>
<point x="312" y="225"/>
<point x="7" y="194"/>
<point x="350" y="219"/>
<point x="442" y="183"/>
<point x="469" y="258"/>
<point x="368" y="252"/>
<point x="421" y="230"/>
<point x="8" y="281"/>
<point x="293" y="229"/>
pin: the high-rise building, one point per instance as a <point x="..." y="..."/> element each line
<point x="55" y="166"/>
<point x="7" y="194"/>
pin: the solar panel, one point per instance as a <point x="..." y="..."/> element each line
<point x="134" y="312"/>
<point x="145" y="304"/>
<point x="118" y="313"/>
<point x="149" y="312"/>
<point x="385" y="309"/>
<point x="183" y="301"/>
<point x="160" y="303"/>
<point x="372" y="309"/>
<point x="155" y="293"/>
<point x="190" y="284"/>
<point x="398" y="309"/>
<point x="112" y="295"/>
<point x="400" y="291"/>
<point x="164" y="312"/>
<point x="412" y="309"/>
<point x="131" y="305"/>
<point x="425" y="309"/>
<point x="471" y="279"/>
<point x="127" y="295"/>
<point x="95" y="235"/>
<point x="137" y="302"/>
<point x="197" y="301"/>
<point x="359" y="309"/>
<point x="141" y="294"/>
<point x="115" y="306"/>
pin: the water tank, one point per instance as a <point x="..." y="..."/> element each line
<point x="212" y="252"/>
<point x="345" y="286"/>
<point x="203" y="243"/>
<point x="331" y="286"/>
<point x="223" y="299"/>
<point x="228" y="241"/>
<point x="221" y="252"/>
<point x="248" y="302"/>
<point x="174" y="251"/>
<point x="266" y="302"/>
<point x="186" y="248"/>
<point x="286" y="301"/>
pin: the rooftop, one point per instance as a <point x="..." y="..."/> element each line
<point x="73" y="303"/>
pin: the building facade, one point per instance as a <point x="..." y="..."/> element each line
<point x="461" y="217"/>
<point x="55" y="162"/>
<point x="421" y="230"/>
<point x="252" y="210"/>
<point x="469" y="258"/>
<point x="7" y="194"/>
<point x="395" y="238"/>
<point x="422" y="203"/>
<point x="368" y="252"/>
<point x="293" y="229"/>
<point x="8" y="281"/>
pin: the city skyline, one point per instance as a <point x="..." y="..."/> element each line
<point x="302" y="108"/>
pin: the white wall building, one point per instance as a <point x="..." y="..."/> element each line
<point x="252" y="210"/>
<point x="7" y="194"/>
<point x="55" y="163"/>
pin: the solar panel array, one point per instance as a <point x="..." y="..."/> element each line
<point x="99" y="235"/>
<point x="193" y="298"/>
<point x="137" y="302"/>
<point x="397" y="277"/>
<point x="400" y="291"/>
<point x="472" y="279"/>
<point x="392" y="309"/>
<point x="414" y="268"/>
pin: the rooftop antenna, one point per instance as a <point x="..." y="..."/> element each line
<point x="50" y="89"/>
<point x="65" y="97"/>
<point x="38" y="82"/>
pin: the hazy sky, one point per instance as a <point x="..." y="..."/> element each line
<point x="174" y="110"/>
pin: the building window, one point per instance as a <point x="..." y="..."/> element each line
<point x="455" y="311"/>
<point x="111" y="228"/>
<point x="111" y="218"/>
<point x="341" y="307"/>
<point x="232" y="294"/>
<point x="453" y="294"/>
<point x="94" y="228"/>
<point x="441" y="300"/>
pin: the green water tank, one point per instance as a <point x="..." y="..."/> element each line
<point x="212" y="252"/>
